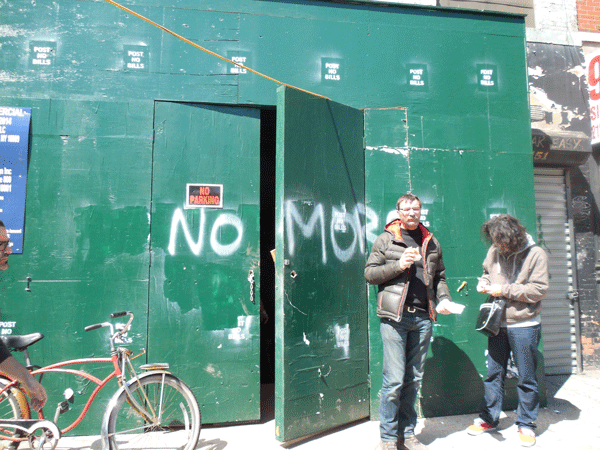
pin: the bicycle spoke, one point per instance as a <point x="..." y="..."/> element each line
<point x="176" y="423"/>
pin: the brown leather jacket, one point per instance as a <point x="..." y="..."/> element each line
<point x="383" y="269"/>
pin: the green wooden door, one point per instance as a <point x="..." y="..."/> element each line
<point x="321" y="313"/>
<point x="203" y="303"/>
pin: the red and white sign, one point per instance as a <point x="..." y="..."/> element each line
<point x="203" y="195"/>
<point x="593" y="78"/>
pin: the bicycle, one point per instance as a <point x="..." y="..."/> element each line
<point x="153" y="409"/>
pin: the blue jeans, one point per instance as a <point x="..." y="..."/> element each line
<point x="405" y="346"/>
<point x="524" y="343"/>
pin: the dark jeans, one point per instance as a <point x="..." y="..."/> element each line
<point x="405" y="346"/>
<point x="523" y="341"/>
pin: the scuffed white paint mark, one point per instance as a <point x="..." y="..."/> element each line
<point x="210" y="369"/>
<point x="8" y="31"/>
<point x="305" y="339"/>
<point x="393" y="150"/>
<point x="342" y="338"/>
<point x="321" y="397"/>
<point x="294" y="306"/>
<point x="9" y="77"/>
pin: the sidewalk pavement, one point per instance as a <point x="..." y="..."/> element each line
<point x="570" y="421"/>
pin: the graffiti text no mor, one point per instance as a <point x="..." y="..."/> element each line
<point x="313" y="222"/>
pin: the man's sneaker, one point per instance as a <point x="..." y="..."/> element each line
<point x="412" y="443"/>
<point x="527" y="436"/>
<point x="479" y="426"/>
<point x="386" y="445"/>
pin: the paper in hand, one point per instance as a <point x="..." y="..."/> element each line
<point x="454" y="308"/>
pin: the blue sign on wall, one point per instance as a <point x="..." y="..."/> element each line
<point x="14" y="146"/>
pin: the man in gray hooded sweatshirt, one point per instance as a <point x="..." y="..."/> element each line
<point x="517" y="270"/>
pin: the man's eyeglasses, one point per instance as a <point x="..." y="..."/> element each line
<point x="405" y="210"/>
<point x="4" y="245"/>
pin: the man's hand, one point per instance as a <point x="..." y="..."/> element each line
<point x="482" y="286"/>
<point x="36" y="393"/>
<point x="409" y="256"/>
<point x="495" y="290"/>
<point x="14" y="369"/>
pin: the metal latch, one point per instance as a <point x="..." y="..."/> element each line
<point x="252" y="283"/>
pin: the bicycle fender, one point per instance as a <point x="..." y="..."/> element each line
<point x="113" y="401"/>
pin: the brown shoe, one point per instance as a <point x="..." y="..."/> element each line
<point x="412" y="443"/>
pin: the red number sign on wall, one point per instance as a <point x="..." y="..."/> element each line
<point x="594" y="78"/>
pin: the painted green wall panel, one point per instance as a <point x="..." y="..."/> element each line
<point x="85" y="243"/>
<point x="321" y="335"/>
<point x="456" y="361"/>
<point x="92" y="171"/>
<point x="448" y="42"/>
<point x="204" y="321"/>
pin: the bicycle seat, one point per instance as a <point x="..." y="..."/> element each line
<point x="20" y="343"/>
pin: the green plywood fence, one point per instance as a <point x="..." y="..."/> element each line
<point x="459" y="191"/>
<point x="94" y="230"/>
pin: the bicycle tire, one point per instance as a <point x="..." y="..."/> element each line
<point x="180" y="420"/>
<point x="13" y="405"/>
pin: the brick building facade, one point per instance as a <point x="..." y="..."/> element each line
<point x="588" y="15"/>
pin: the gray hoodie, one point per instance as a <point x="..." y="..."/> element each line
<point x="524" y="279"/>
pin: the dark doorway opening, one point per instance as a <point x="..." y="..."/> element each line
<point x="267" y="265"/>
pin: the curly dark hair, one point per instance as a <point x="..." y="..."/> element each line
<point x="505" y="232"/>
<point x="2" y="224"/>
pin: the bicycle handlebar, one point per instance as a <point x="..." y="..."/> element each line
<point x="120" y="332"/>
<point x="94" y="327"/>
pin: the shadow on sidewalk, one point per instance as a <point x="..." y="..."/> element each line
<point x="556" y="410"/>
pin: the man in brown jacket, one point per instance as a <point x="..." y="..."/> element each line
<point x="517" y="270"/>
<point x="406" y="264"/>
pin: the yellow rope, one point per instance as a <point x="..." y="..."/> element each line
<point x="166" y="30"/>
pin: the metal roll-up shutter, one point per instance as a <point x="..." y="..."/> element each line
<point x="555" y="236"/>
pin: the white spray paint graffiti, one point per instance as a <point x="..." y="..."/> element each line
<point x="225" y="219"/>
<point x="222" y="221"/>
<point x="341" y="222"/>
<point x="361" y="221"/>
<point x="293" y="216"/>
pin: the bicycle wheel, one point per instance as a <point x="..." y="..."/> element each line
<point x="173" y="419"/>
<point x="13" y="405"/>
